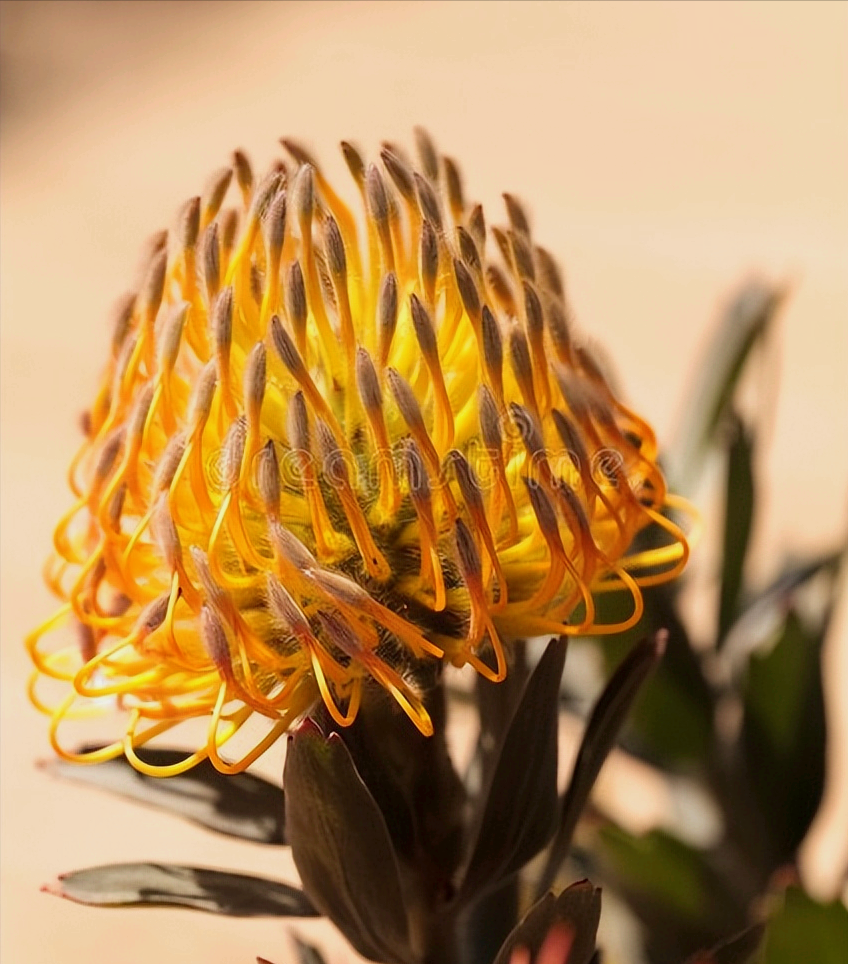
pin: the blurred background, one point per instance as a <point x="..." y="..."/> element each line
<point x="666" y="151"/>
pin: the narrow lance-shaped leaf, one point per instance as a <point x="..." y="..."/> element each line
<point x="784" y="733"/>
<point x="738" y="950"/>
<point x="764" y="615"/>
<point x="518" y="811"/>
<point x="175" y="885"/>
<point x="307" y="953"/>
<point x="578" y="906"/>
<point x="238" y="805"/>
<point x="341" y="846"/>
<point x="602" y="730"/>
<point x="738" y="519"/>
<point x="746" y="322"/>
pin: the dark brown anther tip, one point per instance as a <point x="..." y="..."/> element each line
<point x="286" y="348"/>
<point x="428" y="203"/>
<point x="354" y="162"/>
<point x="517" y="216"/>
<point x="334" y="245"/>
<point x="427" y="153"/>
<point x="399" y="173"/>
<point x="274" y="222"/>
<point x="467" y="289"/>
<point x="295" y="296"/>
<point x="375" y="193"/>
<point x="188" y="223"/>
<point x="243" y="171"/>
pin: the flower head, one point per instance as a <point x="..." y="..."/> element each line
<point x="317" y="464"/>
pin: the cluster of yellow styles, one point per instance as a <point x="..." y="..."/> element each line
<point x="317" y="465"/>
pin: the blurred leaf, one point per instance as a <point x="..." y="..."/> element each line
<point x="804" y="931"/>
<point x="764" y="614"/>
<point x="239" y="805"/>
<point x="518" y="812"/>
<point x="746" y="321"/>
<point x="674" y="889"/>
<point x="738" y="518"/>
<point x="341" y="846"/>
<point x="601" y="732"/>
<point x="783" y="735"/>
<point x="738" y="950"/>
<point x="578" y="906"/>
<point x="671" y="722"/>
<point x="307" y="953"/>
<point x="175" y="885"/>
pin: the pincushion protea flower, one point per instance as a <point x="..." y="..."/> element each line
<point x="314" y="466"/>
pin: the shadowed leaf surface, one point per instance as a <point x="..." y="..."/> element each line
<point x="519" y="809"/>
<point x="601" y="732"/>
<point x="413" y="782"/>
<point x="806" y="931"/>
<point x="307" y="953"/>
<point x="738" y="950"/>
<point x="738" y="518"/>
<point x="175" y="885"/>
<point x="238" y="805"/>
<point x="746" y="321"/>
<point x="784" y="735"/>
<point x="681" y="897"/>
<point x="579" y="906"/>
<point x="341" y="846"/>
<point x="678" y="689"/>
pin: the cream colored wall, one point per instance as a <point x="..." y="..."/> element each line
<point x="665" y="150"/>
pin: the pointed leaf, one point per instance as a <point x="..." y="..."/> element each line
<point x="307" y="953"/>
<point x="806" y="931"/>
<point x="746" y="321"/>
<point x="496" y="704"/>
<point x="681" y="894"/>
<point x="578" y="906"/>
<point x="764" y="615"/>
<point x="239" y="805"/>
<point x="738" y="950"/>
<point x="518" y="811"/>
<point x="175" y="885"/>
<point x="601" y="732"/>
<point x="412" y="780"/>
<point x="784" y="734"/>
<point x="341" y="846"/>
<point x="738" y="518"/>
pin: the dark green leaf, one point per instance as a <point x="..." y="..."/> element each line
<point x="746" y="322"/>
<point x="578" y="906"/>
<point x="671" y="722"/>
<point x="601" y="732"/>
<point x="518" y="811"/>
<point x="308" y="953"/>
<point x="738" y="950"/>
<point x="239" y="805"/>
<point x="174" y="885"/>
<point x="496" y="704"/>
<point x="765" y="613"/>
<point x="783" y="736"/>
<point x="804" y="931"/>
<point x="738" y="518"/>
<point x="677" y="892"/>
<point x="341" y="846"/>
<point x="413" y="782"/>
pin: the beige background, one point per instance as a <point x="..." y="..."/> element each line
<point x="665" y="150"/>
